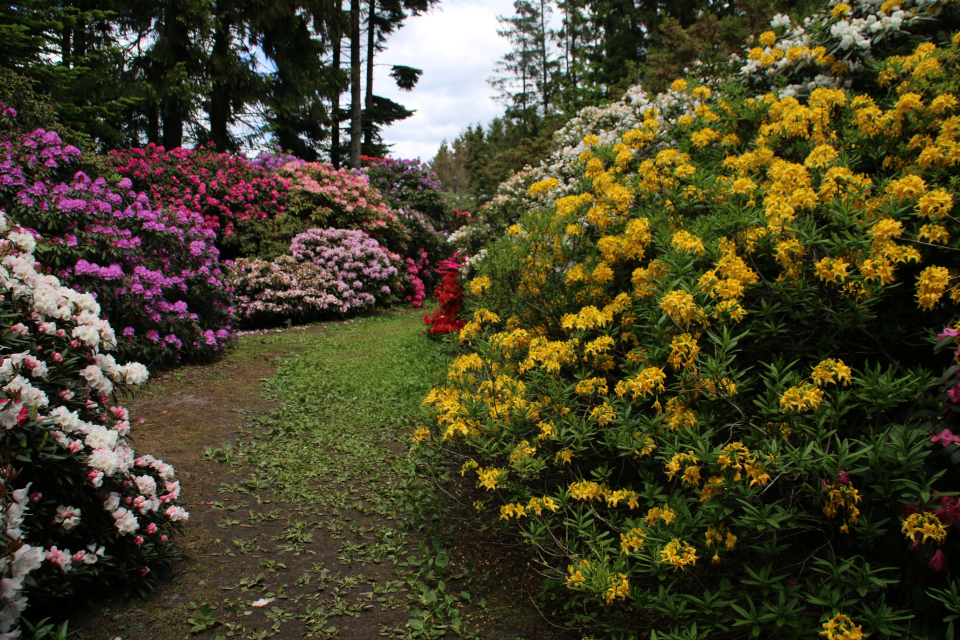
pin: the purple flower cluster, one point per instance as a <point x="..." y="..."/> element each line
<point x="151" y="269"/>
<point x="327" y="271"/>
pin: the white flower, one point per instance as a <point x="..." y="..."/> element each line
<point x="146" y="485"/>
<point x="105" y="460"/>
<point x="24" y="241"/>
<point x="262" y="602"/>
<point x="126" y="522"/>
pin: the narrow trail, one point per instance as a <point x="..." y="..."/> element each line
<point x="290" y="456"/>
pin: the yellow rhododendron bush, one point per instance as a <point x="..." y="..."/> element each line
<point x="703" y="383"/>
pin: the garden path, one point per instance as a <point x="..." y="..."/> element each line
<point x="287" y="452"/>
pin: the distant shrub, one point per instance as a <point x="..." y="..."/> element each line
<point x="226" y="191"/>
<point x="328" y="272"/>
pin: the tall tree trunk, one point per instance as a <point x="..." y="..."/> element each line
<point x="371" y="43"/>
<point x="172" y="112"/>
<point x="543" y="56"/>
<point x="335" y="107"/>
<point x="219" y="112"/>
<point x="355" y="125"/>
<point x="66" y="53"/>
<point x="80" y="40"/>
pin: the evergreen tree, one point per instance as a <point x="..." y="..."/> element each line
<point x="525" y="84"/>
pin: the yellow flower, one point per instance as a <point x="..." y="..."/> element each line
<point x="840" y="11"/>
<point x="768" y="38"/>
<point x="802" y="398"/>
<point x="823" y="373"/>
<point x="840" y="627"/>
<point x="686" y="241"/>
<point x="931" y="284"/>
<point x="479" y="285"/>
<point x="543" y="186"/>
<point x="678" y="85"/>
<point x="678" y="553"/>
<point x="925" y="524"/>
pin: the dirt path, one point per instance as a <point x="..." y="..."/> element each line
<point x="294" y="529"/>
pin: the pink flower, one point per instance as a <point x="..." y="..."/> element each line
<point x="939" y="562"/>
<point x="946" y="437"/>
<point x="948" y="332"/>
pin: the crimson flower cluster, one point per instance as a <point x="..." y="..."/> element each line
<point x="450" y="298"/>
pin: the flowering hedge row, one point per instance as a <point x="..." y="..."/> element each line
<point x="327" y="270"/>
<point x="155" y="271"/>
<point x="80" y="510"/>
<point x="699" y="373"/>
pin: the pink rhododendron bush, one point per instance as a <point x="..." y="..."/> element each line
<point x="228" y="192"/>
<point x="327" y="272"/>
<point x="80" y="509"/>
<point x="153" y="268"/>
<point x="703" y="375"/>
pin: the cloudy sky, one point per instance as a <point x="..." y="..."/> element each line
<point x="457" y="46"/>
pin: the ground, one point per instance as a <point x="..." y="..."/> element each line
<point x="294" y="480"/>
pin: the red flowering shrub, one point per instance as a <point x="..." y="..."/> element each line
<point x="226" y="190"/>
<point x="450" y="298"/>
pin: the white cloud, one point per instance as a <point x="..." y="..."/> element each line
<point x="457" y="47"/>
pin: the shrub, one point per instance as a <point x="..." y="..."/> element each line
<point x="155" y="271"/>
<point x="226" y="191"/>
<point x="410" y="185"/>
<point x="449" y="294"/>
<point x="81" y="511"/>
<point x="698" y="375"/>
<point x="328" y="271"/>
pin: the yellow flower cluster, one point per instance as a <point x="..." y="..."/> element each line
<point x="678" y="553"/>
<point x="801" y="398"/>
<point x="535" y="506"/>
<point x="587" y="490"/>
<point x="843" y="499"/>
<point x="841" y="627"/>
<point x="920" y="527"/>
<point x="831" y="371"/>
<point x="648" y="381"/>
<point x="479" y="285"/>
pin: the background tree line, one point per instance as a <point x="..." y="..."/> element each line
<point x="227" y="72"/>
<point x="568" y="54"/>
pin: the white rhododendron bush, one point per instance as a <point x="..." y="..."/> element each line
<point x="80" y="509"/>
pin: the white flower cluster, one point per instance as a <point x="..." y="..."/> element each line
<point x="102" y="446"/>
<point x="852" y="36"/>
<point x="14" y="566"/>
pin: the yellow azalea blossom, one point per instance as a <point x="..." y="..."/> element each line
<point x="678" y="553"/>
<point x="479" y="285"/>
<point x="632" y="540"/>
<point x="619" y="588"/>
<point x="832" y="371"/>
<point x="920" y="527"/>
<point x="678" y="85"/>
<point x="842" y="499"/>
<point x="802" y="398"/>
<point x="686" y="241"/>
<point x="489" y="476"/>
<point x="840" y="11"/>
<point x="841" y="627"/>
<point x="931" y="284"/>
<point x="543" y="186"/>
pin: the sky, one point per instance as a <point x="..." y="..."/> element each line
<point x="457" y="47"/>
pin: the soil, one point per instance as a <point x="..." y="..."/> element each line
<point x="253" y="568"/>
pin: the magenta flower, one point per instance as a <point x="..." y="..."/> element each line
<point x="939" y="562"/>
<point x="946" y="437"/>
